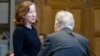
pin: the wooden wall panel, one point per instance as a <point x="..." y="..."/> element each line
<point x="77" y="17"/>
<point x="47" y="20"/>
<point x="96" y="27"/>
<point x="97" y="46"/>
<point x="97" y="20"/>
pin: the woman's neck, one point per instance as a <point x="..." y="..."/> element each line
<point x="29" y="26"/>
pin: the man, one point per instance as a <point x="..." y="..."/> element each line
<point x="64" y="42"/>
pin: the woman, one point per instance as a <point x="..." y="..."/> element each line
<point x="25" y="39"/>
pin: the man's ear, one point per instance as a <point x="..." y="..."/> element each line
<point x="58" y="25"/>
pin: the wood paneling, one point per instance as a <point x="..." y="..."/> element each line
<point x="67" y="4"/>
<point x="97" y="34"/>
<point x="95" y="39"/>
<point x="77" y="15"/>
<point x="97" y="46"/>
<point x="97" y="20"/>
<point x="65" y="1"/>
<point x="48" y="21"/>
<point x="96" y="29"/>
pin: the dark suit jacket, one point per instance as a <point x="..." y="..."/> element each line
<point x="62" y="44"/>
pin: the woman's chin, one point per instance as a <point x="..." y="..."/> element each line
<point x="33" y="21"/>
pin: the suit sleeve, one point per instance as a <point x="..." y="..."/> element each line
<point x="45" y="48"/>
<point x="18" y="38"/>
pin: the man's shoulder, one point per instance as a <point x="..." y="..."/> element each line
<point x="56" y="33"/>
<point x="77" y="34"/>
<point x="80" y="36"/>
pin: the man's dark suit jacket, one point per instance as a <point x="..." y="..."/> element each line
<point x="62" y="44"/>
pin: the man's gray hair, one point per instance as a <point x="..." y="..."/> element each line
<point x="65" y="19"/>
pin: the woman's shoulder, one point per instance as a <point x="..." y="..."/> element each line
<point x="19" y="29"/>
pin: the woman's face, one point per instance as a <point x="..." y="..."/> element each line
<point x="31" y="15"/>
